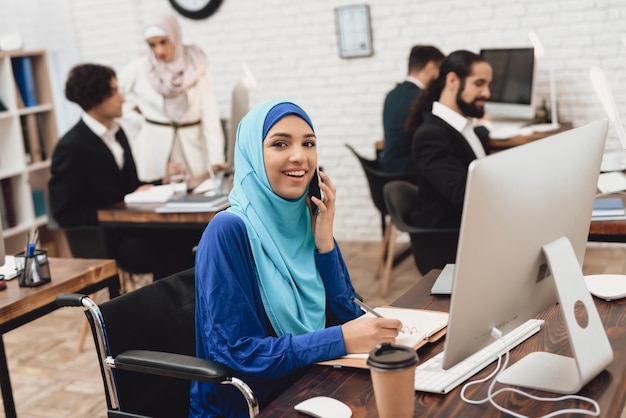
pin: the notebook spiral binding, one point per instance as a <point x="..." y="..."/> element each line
<point x="409" y="330"/>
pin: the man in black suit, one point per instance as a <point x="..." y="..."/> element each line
<point x="446" y="140"/>
<point x="424" y="61"/>
<point x="92" y="165"/>
<point x="93" y="168"/>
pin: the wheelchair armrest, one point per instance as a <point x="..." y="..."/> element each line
<point x="70" y="299"/>
<point x="172" y="365"/>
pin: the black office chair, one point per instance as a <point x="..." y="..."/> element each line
<point x="145" y="342"/>
<point x="84" y="241"/>
<point x="376" y="180"/>
<point x="432" y="248"/>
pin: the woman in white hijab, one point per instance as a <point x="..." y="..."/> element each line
<point x="171" y="114"/>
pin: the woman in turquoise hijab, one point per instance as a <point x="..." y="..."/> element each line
<point x="273" y="294"/>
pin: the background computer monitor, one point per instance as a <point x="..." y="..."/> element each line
<point x="240" y="104"/>
<point x="239" y="107"/>
<point x="512" y="88"/>
<point x="516" y="202"/>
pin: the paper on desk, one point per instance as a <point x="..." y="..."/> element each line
<point x="195" y="203"/>
<point x="155" y="194"/>
<point x="8" y="270"/>
<point x="206" y="186"/>
<point x="608" y="218"/>
<point x="613" y="161"/>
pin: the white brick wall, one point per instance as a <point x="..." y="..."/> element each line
<point x="291" y="48"/>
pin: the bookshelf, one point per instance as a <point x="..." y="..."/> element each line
<point x="28" y="134"/>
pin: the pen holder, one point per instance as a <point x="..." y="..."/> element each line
<point x="35" y="268"/>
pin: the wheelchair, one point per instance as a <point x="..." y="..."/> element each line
<point x="145" y="341"/>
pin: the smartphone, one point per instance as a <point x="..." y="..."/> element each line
<point x="314" y="190"/>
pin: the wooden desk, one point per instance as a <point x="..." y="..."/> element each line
<point x="609" y="231"/>
<point x="20" y="305"/>
<point x="355" y="389"/>
<point x="145" y="215"/>
<point x="501" y="144"/>
<point x="177" y="233"/>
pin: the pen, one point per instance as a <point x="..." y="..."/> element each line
<point x="366" y="308"/>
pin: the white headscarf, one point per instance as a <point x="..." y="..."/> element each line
<point x="186" y="67"/>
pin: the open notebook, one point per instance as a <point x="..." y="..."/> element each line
<point x="420" y="327"/>
<point x="155" y="194"/>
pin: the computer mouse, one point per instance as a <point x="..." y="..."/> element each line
<point x="324" y="407"/>
<point x="606" y="286"/>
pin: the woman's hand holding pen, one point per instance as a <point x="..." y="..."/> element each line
<point x="323" y="221"/>
<point x="363" y="334"/>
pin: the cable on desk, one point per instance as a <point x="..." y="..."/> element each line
<point x="496" y="334"/>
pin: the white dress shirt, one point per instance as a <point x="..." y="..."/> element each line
<point x="107" y="136"/>
<point x="415" y="81"/>
<point x="462" y="124"/>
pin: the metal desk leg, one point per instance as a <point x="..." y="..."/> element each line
<point x="5" y="383"/>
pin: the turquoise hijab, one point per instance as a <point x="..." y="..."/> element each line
<point x="279" y="230"/>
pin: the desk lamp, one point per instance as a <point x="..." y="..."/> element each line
<point x="554" y="114"/>
<point x="603" y="90"/>
<point x="607" y="286"/>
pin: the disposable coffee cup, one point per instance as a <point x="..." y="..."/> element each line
<point x="392" y="367"/>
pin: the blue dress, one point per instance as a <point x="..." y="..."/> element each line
<point x="232" y="326"/>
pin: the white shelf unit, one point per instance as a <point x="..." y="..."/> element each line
<point x="24" y="171"/>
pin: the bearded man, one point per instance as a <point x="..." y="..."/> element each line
<point x="446" y="141"/>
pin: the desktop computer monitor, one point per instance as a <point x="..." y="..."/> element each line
<point x="512" y="88"/>
<point x="517" y="202"/>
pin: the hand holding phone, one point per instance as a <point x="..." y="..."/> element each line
<point x="314" y="190"/>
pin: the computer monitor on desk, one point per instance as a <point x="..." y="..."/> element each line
<point x="523" y="236"/>
<point x="513" y="85"/>
<point x="240" y="105"/>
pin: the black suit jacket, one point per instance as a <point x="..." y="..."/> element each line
<point x="86" y="178"/>
<point x="397" y="153"/>
<point x="441" y="156"/>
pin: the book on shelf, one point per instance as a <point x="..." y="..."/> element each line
<point x="32" y="140"/>
<point x="9" y="202"/>
<point x="420" y="327"/>
<point x="39" y="202"/>
<point x="3" y="212"/>
<point x="26" y="140"/>
<point x="608" y="206"/>
<point x="41" y="136"/>
<point x="25" y="80"/>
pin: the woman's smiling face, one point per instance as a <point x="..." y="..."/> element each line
<point x="290" y="156"/>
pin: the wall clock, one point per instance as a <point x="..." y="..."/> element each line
<point x="196" y="9"/>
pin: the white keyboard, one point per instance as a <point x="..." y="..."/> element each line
<point x="430" y="377"/>
<point x="612" y="182"/>
<point x="506" y="130"/>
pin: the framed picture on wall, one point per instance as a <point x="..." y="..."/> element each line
<point x="354" y="33"/>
